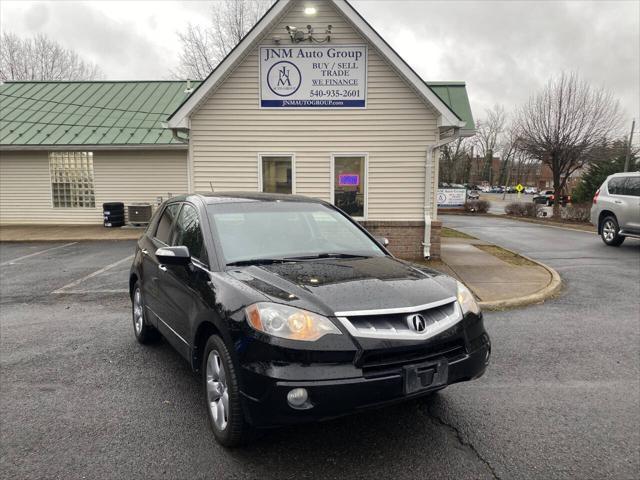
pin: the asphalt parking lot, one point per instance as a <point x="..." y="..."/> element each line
<point x="81" y="399"/>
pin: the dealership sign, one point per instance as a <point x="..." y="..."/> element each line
<point x="313" y="76"/>
<point x="451" y="197"/>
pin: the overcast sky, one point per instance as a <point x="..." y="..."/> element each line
<point x="504" y="50"/>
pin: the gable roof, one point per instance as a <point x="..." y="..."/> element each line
<point x="447" y="118"/>
<point x="99" y="114"/>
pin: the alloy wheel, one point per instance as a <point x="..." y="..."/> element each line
<point x="609" y="230"/>
<point x="217" y="390"/>
<point x="138" y="318"/>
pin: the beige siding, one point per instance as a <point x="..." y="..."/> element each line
<point x="25" y="188"/>
<point x="230" y="130"/>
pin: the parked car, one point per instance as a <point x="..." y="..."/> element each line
<point x="547" y="197"/>
<point x="292" y="312"/>
<point x="530" y="190"/>
<point x="473" y="195"/>
<point x="616" y="208"/>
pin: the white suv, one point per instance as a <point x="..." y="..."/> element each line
<point x="616" y="208"/>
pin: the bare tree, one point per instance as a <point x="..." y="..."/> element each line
<point x="40" y="58"/>
<point x="454" y="161"/>
<point x="204" y="47"/>
<point x="563" y="124"/>
<point x="488" y="135"/>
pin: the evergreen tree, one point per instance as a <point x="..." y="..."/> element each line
<point x="611" y="161"/>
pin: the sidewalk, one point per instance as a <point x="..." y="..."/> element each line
<point x="498" y="277"/>
<point x="39" y="233"/>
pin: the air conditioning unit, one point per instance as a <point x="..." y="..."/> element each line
<point x="139" y="213"/>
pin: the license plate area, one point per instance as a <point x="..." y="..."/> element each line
<point x="425" y="376"/>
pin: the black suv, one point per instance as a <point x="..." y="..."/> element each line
<point x="292" y="312"/>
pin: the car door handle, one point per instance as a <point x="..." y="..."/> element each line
<point x="145" y="251"/>
<point x="617" y="201"/>
<point x="162" y="267"/>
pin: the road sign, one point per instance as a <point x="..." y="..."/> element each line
<point x="519" y="188"/>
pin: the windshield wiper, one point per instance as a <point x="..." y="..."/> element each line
<point x="256" y="261"/>
<point x="327" y="255"/>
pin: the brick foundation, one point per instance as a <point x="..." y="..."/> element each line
<point x="406" y="237"/>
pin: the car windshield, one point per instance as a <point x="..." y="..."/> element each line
<point x="261" y="231"/>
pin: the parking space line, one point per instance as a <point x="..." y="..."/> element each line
<point x="10" y="262"/>
<point x="84" y="292"/>
<point x="67" y="288"/>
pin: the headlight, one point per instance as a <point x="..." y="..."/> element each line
<point x="466" y="300"/>
<point x="289" y="322"/>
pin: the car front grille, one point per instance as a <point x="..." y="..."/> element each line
<point x="396" y="323"/>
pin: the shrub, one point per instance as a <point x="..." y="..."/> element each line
<point x="576" y="213"/>
<point x="477" y="206"/>
<point x="522" y="209"/>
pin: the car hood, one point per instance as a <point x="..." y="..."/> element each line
<point x="327" y="286"/>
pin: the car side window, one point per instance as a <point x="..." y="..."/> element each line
<point x="189" y="233"/>
<point x="163" y="232"/>
<point x="632" y="186"/>
<point x="616" y="186"/>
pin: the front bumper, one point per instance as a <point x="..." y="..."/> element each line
<point x="348" y="391"/>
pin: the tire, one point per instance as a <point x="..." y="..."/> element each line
<point x="220" y="380"/>
<point x="115" y="206"/>
<point x="610" y="232"/>
<point x="144" y="332"/>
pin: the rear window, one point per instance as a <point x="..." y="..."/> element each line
<point x="616" y="186"/>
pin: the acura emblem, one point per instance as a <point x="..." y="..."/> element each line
<point x="417" y="322"/>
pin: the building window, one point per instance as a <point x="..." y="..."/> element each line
<point x="349" y="177"/>
<point x="72" y="179"/>
<point x="277" y="173"/>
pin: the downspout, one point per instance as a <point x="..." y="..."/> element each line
<point x="426" y="244"/>
<point x="186" y="139"/>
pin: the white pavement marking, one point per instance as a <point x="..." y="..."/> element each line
<point x="67" y="288"/>
<point x="11" y="262"/>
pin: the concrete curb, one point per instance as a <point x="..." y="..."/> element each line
<point x="554" y="286"/>
<point x="544" y="223"/>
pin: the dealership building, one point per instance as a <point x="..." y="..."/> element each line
<point x="311" y="102"/>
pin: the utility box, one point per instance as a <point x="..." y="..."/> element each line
<point x="140" y="213"/>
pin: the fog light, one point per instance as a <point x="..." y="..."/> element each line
<point x="297" y="397"/>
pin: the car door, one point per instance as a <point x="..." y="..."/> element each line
<point x="619" y="203"/>
<point x="182" y="288"/>
<point x="158" y="238"/>
<point x="631" y="194"/>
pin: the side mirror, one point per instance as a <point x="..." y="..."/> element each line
<point x="173" y="255"/>
<point x="384" y="241"/>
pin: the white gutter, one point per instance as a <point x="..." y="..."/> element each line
<point x="426" y="244"/>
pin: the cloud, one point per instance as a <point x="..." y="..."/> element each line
<point x="504" y="50"/>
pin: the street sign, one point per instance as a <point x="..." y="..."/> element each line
<point x="519" y="188"/>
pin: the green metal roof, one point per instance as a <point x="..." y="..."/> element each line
<point x="88" y="113"/>
<point x="454" y="94"/>
<point x="120" y="113"/>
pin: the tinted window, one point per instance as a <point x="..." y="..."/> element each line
<point x="254" y="230"/>
<point x="163" y="231"/>
<point x="632" y="186"/>
<point x="189" y="234"/>
<point x="276" y="175"/>
<point x="616" y="186"/>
